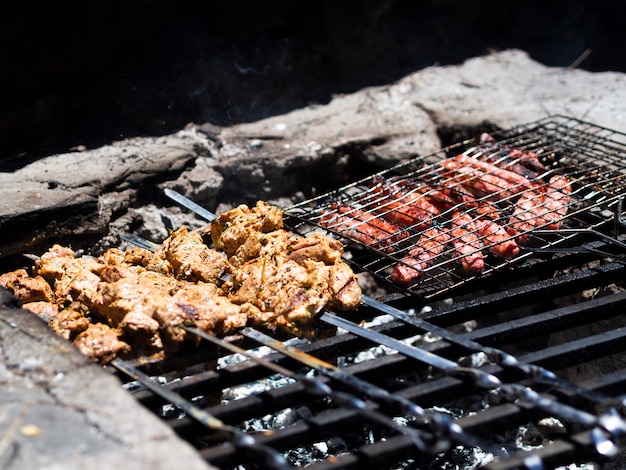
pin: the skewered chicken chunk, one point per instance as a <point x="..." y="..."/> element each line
<point x="142" y="299"/>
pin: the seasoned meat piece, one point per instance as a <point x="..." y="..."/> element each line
<point x="496" y="239"/>
<point x="74" y="279"/>
<point x="191" y="259"/>
<point x="151" y="308"/>
<point x="101" y="343"/>
<point x="202" y="306"/>
<point x="558" y="197"/>
<point x="144" y="331"/>
<point x="70" y="321"/>
<point x="314" y="247"/>
<point x="81" y="286"/>
<point x="430" y="245"/>
<point x="25" y="288"/>
<point x="137" y="293"/>
<point x="366" y="228"/>
<point x="465" y="240"/>
<point x="52" y="264"/>
<point x="115" y="256"/>
<point x="345" y="290"/>
<point x="489" y="168"/>
<point x="481" y="183"/>
<point x="231" y="229"/>
<point x="527" y="215"/>
<point x="406" y="204"/>
<point x="45" y="310"/>
<point x="290" y="279"/>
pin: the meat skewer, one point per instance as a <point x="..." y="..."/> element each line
<point x="363" y="227"/>
<point x="427" y="248"/>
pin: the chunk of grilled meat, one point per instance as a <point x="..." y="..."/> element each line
<point x="25" y="288"/>
<point x="73" y="279"/>
<point x="190" y="258"/>
<point x="464" y="238"/>
<point x="544" y="207"/>
<point x="405" y="203"/>
<point x="231" y="229"/>
<point x="70" y="322"/>
<point x="369" y="229"/>
<point x="430" y="245"/>
<point x="101" y="343"/>
<point x="290" y="279"/>
<point x="558" y="197"/>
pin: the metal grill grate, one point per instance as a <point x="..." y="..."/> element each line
<point x="593" y="159"/>
<point x="402" y="385"/>
<point x="466" y="389"/>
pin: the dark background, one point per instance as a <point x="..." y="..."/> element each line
<point x="100" y="71"/>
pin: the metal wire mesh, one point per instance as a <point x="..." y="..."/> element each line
<point x="422" y="203"/>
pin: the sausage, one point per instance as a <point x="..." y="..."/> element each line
<point x="363" y="227"/>
<point x="466" y="242"/>
<point x="415" y="262"/>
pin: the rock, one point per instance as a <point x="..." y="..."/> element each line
<point x="62" y="411"/>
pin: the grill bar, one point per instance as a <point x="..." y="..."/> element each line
<point x="242" y="441"/>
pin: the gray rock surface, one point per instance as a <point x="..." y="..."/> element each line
<point x="59" y="410"/>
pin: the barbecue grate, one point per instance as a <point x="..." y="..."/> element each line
<point x="592" y="158"/>
<point x="402" y="385"/>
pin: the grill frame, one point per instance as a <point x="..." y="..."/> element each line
<point x="564" y="146"/>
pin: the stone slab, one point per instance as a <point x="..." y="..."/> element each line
<point x="59" y="410"/>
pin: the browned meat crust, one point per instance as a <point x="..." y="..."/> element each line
<point x="135" y="302"/>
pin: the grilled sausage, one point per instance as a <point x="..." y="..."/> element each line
<point x="466" y="242"/>
<point x="363" y="227"/>
<point x="428" y="247"/>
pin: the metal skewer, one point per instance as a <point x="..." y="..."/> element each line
<point x="318" y="388"/>
<point x="244" y="442"/>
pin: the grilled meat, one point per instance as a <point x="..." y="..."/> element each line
<point x="528" y="214"/>
<point x="481" y="183"/>
<point x="464" y="238"/>
<point x="72" y="278"/>
<point x="45" y="310"/>
<point x="363" y="227"/>
<point x="102" y="343"/>
<point x="142" y="298"/>
<point x="511" y="177"/>
<point x="70" y="322"/>
<point x="231" y="229"/>
<point x="558" y="197"/>
<point x="496" y="239"/>
<point x="25" y="288"/>
<point x="191" y="259"/>
<point x="405" y="204"/>
<point x="290" y="279"/>
<point x="544" y="207"/>
<point x="430" y="245"/>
